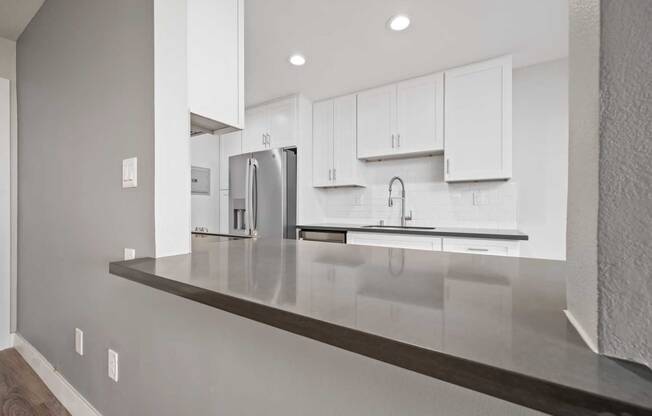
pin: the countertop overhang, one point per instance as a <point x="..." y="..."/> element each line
<point x="489" y="233"/>
<point x="490" y="324"/>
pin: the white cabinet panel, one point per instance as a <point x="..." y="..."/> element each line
<point x="420" y="115"/>
<point x="417" y="242"/>
<point x="400" y="120"/>
<point x="334" y="143"/>
<point x="376" y="122"/>
<point x="272" y="125"/>
<point x="478" y="121"/>
<point x="255" y="132"/>
<point x="482" y="246"/>
<point x="230" y="145"/>
<point x="224" y="211"/>
<point x="345" y="162"/>
<point x="322" y="148"/>
<point x="215" y="62"/>
<point x="282" y="123"/>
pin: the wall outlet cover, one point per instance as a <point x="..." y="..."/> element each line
<point x="130" y="254"/>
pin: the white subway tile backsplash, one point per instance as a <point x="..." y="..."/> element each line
<point x="434" y="202"/>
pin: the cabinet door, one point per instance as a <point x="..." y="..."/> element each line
<point x="215" y="57"/>
<point x="487" y="247"/>
<point x="224" y="211"/>
<point x="230" y="145"/>
<point x="283" y="123"/>
<point x="257" y="122"/>
<point x="345" y="161"/>
<point x="478" y="121"/>
<point x="322" y="147"/>
<point x="376" y="121"/>
<point x="417" y="242"/>
<point x="420" y="115"/>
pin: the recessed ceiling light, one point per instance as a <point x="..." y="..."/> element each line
<point x="297" y="59"/>
<point x="399" y="22"/>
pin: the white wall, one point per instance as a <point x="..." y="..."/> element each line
<point x="534" y="201"/>
<point x="205" y="153"/>
<point x="541" y="156"/>
<point x="8" y="134"/>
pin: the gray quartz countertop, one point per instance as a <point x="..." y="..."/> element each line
<point x="436" y="231"/>
<point x="491" y="324"/>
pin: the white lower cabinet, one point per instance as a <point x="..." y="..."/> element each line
<point x="482" y="246"/>
<point x="416" y="242"/>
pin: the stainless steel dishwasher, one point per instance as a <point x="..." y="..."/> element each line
<point x="323" y="236"/>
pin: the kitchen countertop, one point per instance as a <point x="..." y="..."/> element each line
<point x="491" y="324"/>
<point x="437" y="231"/>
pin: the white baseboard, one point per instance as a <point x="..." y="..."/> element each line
<point x="69" y="397"/>
<point x="585" y="337"/>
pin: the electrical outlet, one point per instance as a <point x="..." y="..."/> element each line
<point x="130" y="253"/>
<point x="113" y="365"/>
<point x="480" y="198"/>
<point x="79" y="341"/>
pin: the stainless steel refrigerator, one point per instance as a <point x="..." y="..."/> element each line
<point x="263" y="194"/>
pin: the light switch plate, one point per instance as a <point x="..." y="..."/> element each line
<point x="130" y="253"/>
<point x="79" y="341"/>
<point x="113" y="365"/>
<point x="130" y="172"/>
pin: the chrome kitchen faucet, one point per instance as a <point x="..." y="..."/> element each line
<point x="390" y="199"/>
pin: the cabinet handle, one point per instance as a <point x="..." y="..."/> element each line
<point x="330" y="175"/>
<point x="476" y="249"/>
<point x="398" y="140"/>
<point x="334" y="173"/>
<point x="393" y="141"/>
<point x="263" y="135"/>
<point x="269" y="140"/>
<point x="448" y="166"/>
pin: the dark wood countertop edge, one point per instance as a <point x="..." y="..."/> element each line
<point x="435" y="233"/>
<point x="504" y="384"/>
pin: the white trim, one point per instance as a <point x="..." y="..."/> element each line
<point x="585" y="336"/>
<point x="69" y="397"/>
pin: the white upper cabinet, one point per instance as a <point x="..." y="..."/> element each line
<point x="282" y="123"/>
<point x="420" y="115"/>
<point x="376" y="121"/>
<point x="401" y="120"/>
<point x="478" y="121"/>
<point x="345" y="162"/>
<point x="272" y="125"/>
<point x="255" y="134"/>
<point x="230" y="145"/>
<point x="322" y="147"/>
<point x="334" y="143"/>
<point x="215" y="63"/>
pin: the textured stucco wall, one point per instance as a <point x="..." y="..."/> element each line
<point x="625" y="213"/>
<point x="583" y="154"/>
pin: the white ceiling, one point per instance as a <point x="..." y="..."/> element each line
<point x="348" y="47"/>
<point x="15" y="15"/>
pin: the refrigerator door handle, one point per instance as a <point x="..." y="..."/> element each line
<point x="248" y="196"/>
<point x="254" y="196"/>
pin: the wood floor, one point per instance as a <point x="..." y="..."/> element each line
<point x="22" y="393"/>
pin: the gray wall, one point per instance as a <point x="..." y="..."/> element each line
<point x="625" y="214"/>
<point x="583" y="154"/>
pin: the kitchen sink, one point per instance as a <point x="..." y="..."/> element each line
<point x="398" y="227"/>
